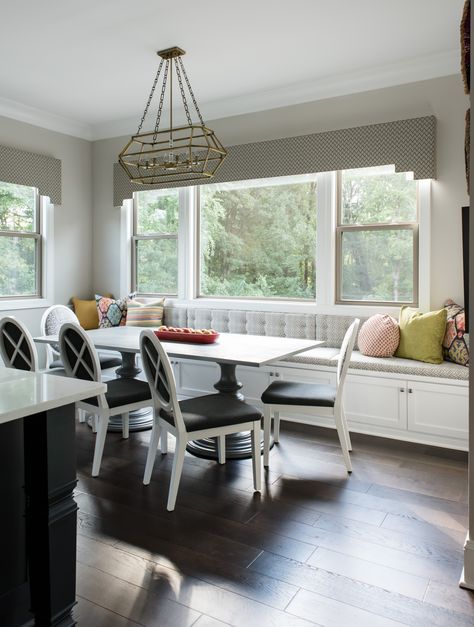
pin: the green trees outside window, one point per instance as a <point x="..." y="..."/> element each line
<point x="258" y="239"/>
<point x="20" y="240"/>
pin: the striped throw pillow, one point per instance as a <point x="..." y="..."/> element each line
<point x="145" y="314"/>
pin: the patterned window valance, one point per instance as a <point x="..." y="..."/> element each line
<point x="28" y="168"/>
<point x="408" y="144"/>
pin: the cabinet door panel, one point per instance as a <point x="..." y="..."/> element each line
<point x="303" y="376"/>
<point x="438" y="409"/>
<point x="375" y="401"/>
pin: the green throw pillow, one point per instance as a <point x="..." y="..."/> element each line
<point x="421" y="335"/>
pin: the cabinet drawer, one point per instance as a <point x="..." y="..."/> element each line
<point x="196" y="377"/>
<point x="375" y="401"/>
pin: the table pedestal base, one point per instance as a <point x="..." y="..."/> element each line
<point x="237" y="445"/>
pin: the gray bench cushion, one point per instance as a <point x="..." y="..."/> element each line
<point x="398" y="365"/>
<point x="320" y="356"/>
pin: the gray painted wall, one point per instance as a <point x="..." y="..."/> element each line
<point x="441" y="97"/>
<point x="72" y="220"/>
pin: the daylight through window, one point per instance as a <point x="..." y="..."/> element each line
<point x="20" y="242"/>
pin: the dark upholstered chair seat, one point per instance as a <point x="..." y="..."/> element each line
<point x="213" y="410"/>
<point x="106" y="361"/>
<point x="124" y="392"/>
<point x="304" y="394"/>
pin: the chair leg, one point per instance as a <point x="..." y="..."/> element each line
<point x="257" y="456"/>
<point x="176" y="473"/>
<point x="125" y="424"/>
<point x="346" y="429"/>
<point x="99" y="444"/>
<point x="267" y="420"/>
<point x="221" y="448"/>
<point x="164" y="441"/>
<point x="342" y="440"/>
<point x="152" y="448"/>
<point x="276" y="426"/>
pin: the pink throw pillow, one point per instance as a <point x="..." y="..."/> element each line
<point x="379" y="336"/>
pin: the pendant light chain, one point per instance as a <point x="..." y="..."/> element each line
<point x="183" y="95"/>
<point x="150" y="97"/>
<point x="162" y="98"/>
<point x="190" y="90"/>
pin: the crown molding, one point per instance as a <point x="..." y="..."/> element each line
<point x="44" y="119"/>
<point x="377" y="77"/>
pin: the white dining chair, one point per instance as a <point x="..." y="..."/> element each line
<point x="312" y="398"/>
<point x="18" y="349"/>
<point x="210" y="416"/>
<point x="51" y="321"/>
<point x="81" y="361"/>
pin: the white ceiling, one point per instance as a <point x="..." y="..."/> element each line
<point x="86" y="67"/>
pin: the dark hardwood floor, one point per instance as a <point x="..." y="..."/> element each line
<point x="380" y="548"/>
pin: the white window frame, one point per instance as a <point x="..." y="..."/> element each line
<point x="188" y="252"/>
<point x="45" y="260"/>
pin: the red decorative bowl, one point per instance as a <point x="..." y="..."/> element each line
<point x="191" y="338"/>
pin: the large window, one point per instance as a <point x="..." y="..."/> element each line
<point x="377" y="237"/>
<point x="20" y="242"/>
<point x="349" y="237"/>
<point x="258" y="239"/>
<point x="155" y="242"/>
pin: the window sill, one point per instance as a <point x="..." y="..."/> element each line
<point x="25" y="303"/>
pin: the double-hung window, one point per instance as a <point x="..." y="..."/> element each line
<point x="376" y="237"/>
<point x="155" y="242"/>
<point x="20" y="242"/>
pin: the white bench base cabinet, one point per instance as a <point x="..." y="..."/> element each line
<point x="425" y="410"/>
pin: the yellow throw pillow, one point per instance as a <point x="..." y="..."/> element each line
<point x="86" y="311"/>
<point x="421" y="335"/>
<point x="145" y="314"/>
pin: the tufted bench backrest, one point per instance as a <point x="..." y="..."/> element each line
<point x="330" y="328"/>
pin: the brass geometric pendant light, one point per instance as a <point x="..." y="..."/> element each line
<point x="189" y="152"/>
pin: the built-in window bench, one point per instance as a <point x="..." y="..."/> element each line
<point x="389" y="397"/>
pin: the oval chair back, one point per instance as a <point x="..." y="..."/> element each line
<point x="51" y="321"/>
<point x="17" y="347"/>
<point x="160" y="377"/>
<point x="344" y="357"/>
<point x="78" y="353"/>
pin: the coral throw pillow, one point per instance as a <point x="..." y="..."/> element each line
<point x="421" y="335"/>
<point x="145" y="314"/>
<point x="112" y="313"/>
<point x="455" y="347"/>
<point x="379" y="336"/>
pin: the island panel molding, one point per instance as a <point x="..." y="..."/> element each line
<point x="410" y="145"/>
<point x="28" y="168"/>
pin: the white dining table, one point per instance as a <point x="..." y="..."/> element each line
<point x="229" y="351"/>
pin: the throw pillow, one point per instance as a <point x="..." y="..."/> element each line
<point x="455" y="347"/>
<point x="379" y="336"/>
<point x="112" y="313"/>
<point x="421" y="335"/>
<point x="86" y="312"/>
<point x="145" y="314"/>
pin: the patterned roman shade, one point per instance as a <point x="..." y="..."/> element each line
<point x="408" y="144"/>
<point x="28" y="168"/>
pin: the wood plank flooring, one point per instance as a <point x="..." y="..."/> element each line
<point x="379" y="548"/>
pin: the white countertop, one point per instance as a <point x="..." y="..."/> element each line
<point x="231" y="348"/>
<point x="26" y="393"/>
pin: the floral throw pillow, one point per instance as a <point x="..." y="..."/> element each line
<point x="112" y="313"/>
<point x="455" y="347"/>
